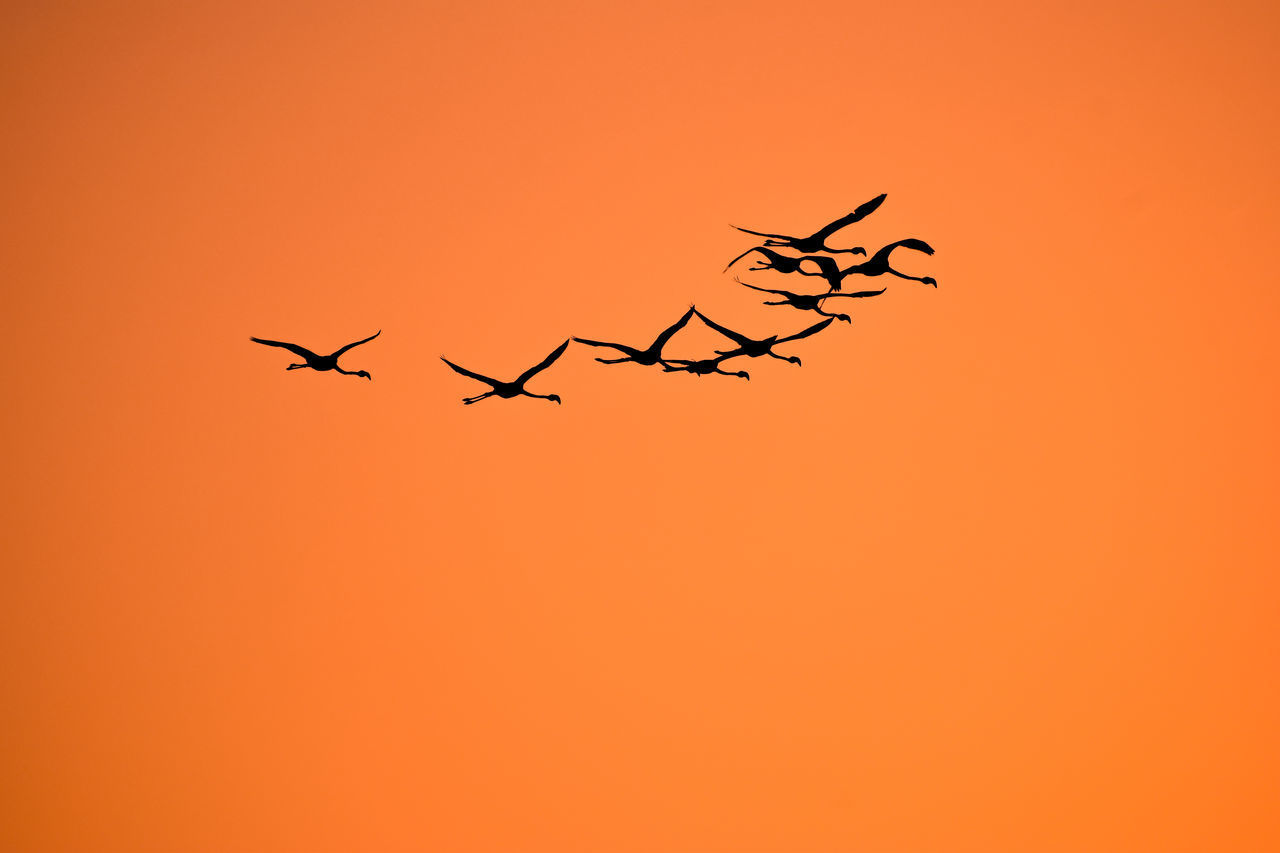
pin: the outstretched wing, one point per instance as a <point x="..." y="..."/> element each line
<point x="862" y="212"/>
<point x="293" y="348"/>
<point x="812" y="330"/>
<point x="828" y="268"/>
<point x="742" y="340"/>
<point x="913" y="243"/>
<point x="356" y="344"/>
<point x="542" y="365"/>
<point x="465" y="372"/>
<point x="860" y="294"/>
<point x="763" y="234"/>
<point x="619" y="347"/>
<point x="763" y="289"/>
<point x="661" y="340"/>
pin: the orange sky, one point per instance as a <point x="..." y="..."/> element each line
<point x="995" y="570"/>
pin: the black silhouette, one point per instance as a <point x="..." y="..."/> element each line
<point x="507" y="390"/>
<point x="320" y="362"/>
<point x="811" y="301"/>
<point x="756" y="348"/>
<point x="784" y="264"/>
<point x="817" y="241"/>
<point x="877" y="264"/>
<point x="700" y="367"/>
<point x="647" y="357"/>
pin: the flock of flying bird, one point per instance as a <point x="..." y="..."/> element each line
<point x="809" y="248"/>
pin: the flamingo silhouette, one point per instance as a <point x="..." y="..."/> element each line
<point x="700" y="367"/>
<point x="648" y="357"/>
<point x="755" y="348"/>
<point x="507" y="390"/>
<point x="785" y="264"/>
<point x="877" y="264"/>
<point x="811" y="301"/>
<point x="320" y="362"/>
<point x="817" y="241"/>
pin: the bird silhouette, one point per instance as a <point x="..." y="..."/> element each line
<point x="756" y="348"/>
<point x="507" y="390"/>
<point x="648" y="357"/>
<point x="817" y="241"/>
<point x="320" y="362"/>
<point x="700" y="367"/>
<point x="877" y="264"/>
<point x="828" y="268"/>
<point x="812" y="301"/>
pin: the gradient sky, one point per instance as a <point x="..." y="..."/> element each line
<point x="995" y="570"/>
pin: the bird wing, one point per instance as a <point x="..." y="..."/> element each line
<point x="812" y="330"/>
<point x="356" y="344"/>
<point x="858" y="295"/>
<point x="619" y="347"/>
<point x="763" y="234"/>
<point x="743" y="255"/>
<point x="862" y="212"/>
<point x="913" y="243"/>
<point x="542" y="365"/>
<point x="293" y="348"/>
<point x="828" y="268"/>
<point x="742" y="340"/>
<point x="661" y="341"/>
<point x="764" y="289"/>
<point x="466" y="372"/>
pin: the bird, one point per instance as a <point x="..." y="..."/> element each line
<point x="817" y="241"/>
<point x="700" y="367"/>
<point x="784" y="264"/>
<point x="811" y="302"/>
<point x="507" y="390"/>
<point x="320" y="362"/>
<point x="648" y="357"/>
<point x="877" y="264"/>
<point x="756" y="348"/>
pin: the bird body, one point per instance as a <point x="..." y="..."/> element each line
<point x="507" y="390"/>
<point x="319" y="362"/>
<point x="700" y="367"/>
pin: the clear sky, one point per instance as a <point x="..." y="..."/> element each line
<point x="994" y="570"/>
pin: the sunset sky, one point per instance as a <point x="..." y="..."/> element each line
<point x="995" y="570"/>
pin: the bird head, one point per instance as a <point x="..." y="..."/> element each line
<point x="930" y="281"/>
<point x="857" y="250"/>
<point x="555" y="397"/>
<point x="794" y="359"/>
<point x="365" y="374"/>
<point x="844" y="317"/>
<point x="744" y="375"/>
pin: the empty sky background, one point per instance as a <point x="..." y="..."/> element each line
<point x="995" y="570"/>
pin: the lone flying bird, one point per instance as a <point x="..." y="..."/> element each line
<point x="507" y="390"/>
<point x="700" y="367"/>
<point x="319" y="362"/>
<point x="647" y="357"/>
<point x="756" y="348"/>
<point x="817" y="241"/>
<point x="811" y="301"/>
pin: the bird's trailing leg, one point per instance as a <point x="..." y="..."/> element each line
<point x="921" y="279"/>
<point x="295" y="367"/>
<point x="476" y="399"/>
<point x="613" y="360"/>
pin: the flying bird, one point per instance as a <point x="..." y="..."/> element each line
<point x="877" y="264"/>
<point x="507" y="390"/>
<point x="817" y="241"/>
<point x="756" y="348"/>
<point x="319" y="362"/>
<point x="650" y="356"/>
<point x="811" y="302"/>
<point x="700" y="367"/>
<point x="785" y="264"/>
